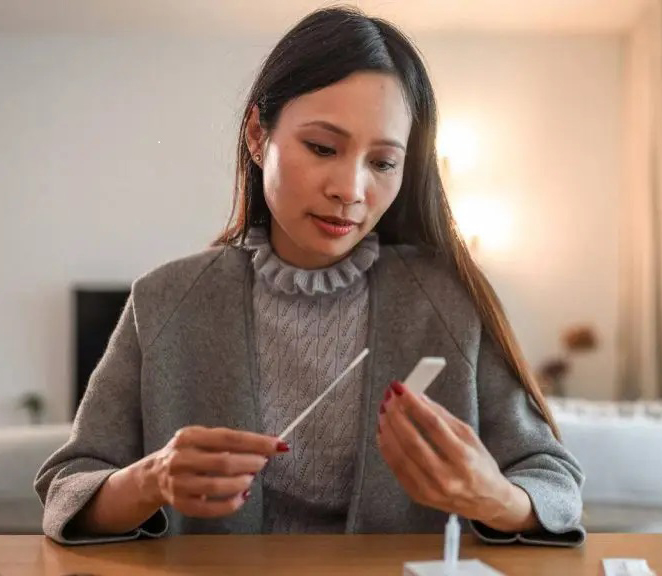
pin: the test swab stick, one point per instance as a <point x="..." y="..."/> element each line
<point x="321" y="397"/>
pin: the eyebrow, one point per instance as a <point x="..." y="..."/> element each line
<point x="342" y="132"/>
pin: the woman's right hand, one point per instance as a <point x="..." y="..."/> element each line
<point x="207" y="472"/>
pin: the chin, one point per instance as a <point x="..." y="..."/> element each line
<point x="337" y="248"/>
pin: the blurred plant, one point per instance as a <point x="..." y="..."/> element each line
<point x="34" y="403"/>
<point x="553" y="372"/>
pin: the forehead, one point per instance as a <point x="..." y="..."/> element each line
<point x="370" y="103"/>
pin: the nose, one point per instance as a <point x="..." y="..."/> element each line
<point x="348" y="185"/>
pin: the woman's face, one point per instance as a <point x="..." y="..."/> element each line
<point x="332" y="166"/>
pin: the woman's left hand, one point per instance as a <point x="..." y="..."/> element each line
<point x="441" y="463"/>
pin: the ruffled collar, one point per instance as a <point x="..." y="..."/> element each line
<point x="282" y="277"/>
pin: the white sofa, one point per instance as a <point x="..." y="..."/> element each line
<point x="618" y="445"/>
<point x="23" y="449"/>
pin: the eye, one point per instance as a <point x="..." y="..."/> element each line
<point x="320" y="150"/>
<point x="384" y="165"/>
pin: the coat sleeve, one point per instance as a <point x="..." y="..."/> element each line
<point x="106" y="436"/>
<point x="528" y="454"/>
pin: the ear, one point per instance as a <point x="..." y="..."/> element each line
<point x="255" y="135"/>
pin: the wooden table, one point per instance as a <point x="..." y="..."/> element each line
<point x="308" y="555"/>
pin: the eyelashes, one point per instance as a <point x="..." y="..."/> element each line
<point x="320" y="150"/>
<point x="326" y="152"/>
<point x="384" y="166"/>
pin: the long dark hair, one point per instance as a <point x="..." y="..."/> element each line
<point x="323" y="48"/>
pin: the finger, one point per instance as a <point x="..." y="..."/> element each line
<point x="226" y="439"/>
<point x="414" y="446"/>
<point x="203" y="508"/>
<point x="462" y="430"/>
<point x="220" y="463"/>
<point x="195" y="485"/>
<point x="438" y="426"/>
<point x="397" y="462"/>
<point x="417" y="484"/>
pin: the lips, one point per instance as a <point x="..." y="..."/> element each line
<point x="332" y="226"/>
<point x="337" y="221"/>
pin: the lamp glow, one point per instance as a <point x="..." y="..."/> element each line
<point x="483" y="222"/>
<point x="458" y="145"/>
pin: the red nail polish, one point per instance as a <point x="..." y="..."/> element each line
<point x="387" y="395"/>
<point x="246" y="494"/>
<point x="382" y="410"/>
<point x="398" y="388"/>
<point x="282" y="447"/>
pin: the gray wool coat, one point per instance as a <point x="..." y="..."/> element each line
<point x="183" y="353"/>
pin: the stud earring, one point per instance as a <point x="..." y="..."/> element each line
<point x="257" y="158"/>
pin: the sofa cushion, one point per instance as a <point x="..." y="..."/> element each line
<point x="23" y="449"/>
<point x="618" y="446"/>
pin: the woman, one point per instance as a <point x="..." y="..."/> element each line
<point x="341" y="239"/>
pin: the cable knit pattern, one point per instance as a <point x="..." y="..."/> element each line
<point x="310" y="324"/>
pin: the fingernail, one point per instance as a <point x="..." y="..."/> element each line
<point x="282" y="447"/>
<point x="246" y="494"/>
<point x="382" y="410"/>
<point x="387" y="395"/>
<point x="398" y="388"/>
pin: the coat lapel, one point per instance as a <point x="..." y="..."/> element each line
<point x="397" y="342"/>
<point x="206" y="365"/>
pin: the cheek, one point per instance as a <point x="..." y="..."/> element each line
<point x="271" y="173"/>
<point x="287" y="176"/>
<point x="383" y="194"/>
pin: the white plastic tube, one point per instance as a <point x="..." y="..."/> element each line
<point x="452" y="542"/>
